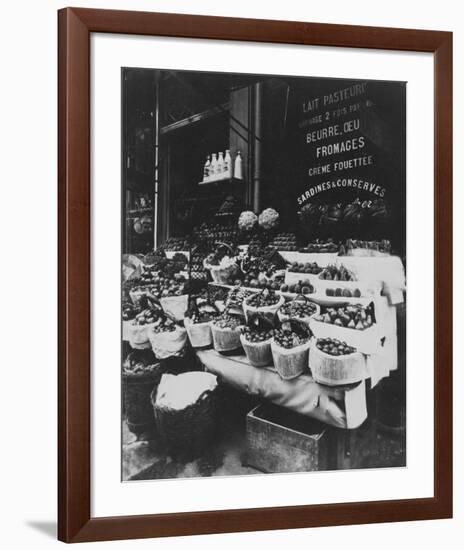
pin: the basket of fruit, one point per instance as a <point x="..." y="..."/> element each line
<point x="167" y="338"/>
<point x="300" y="308"/>
<point x="141" y="373"/>
<point x="337" y="280"/>
<point x="290" y="348"/>
<point x="139" y="328"/>
<point x="198" y="325"/>
<point x="186" y="410"/>
<point x="175" y="306"/>
<point x="334" y="362"/>
<point x="256" y="340"/>
<point x="226" y="332"/>
<point x="129" y="312"/>
<point x="351" y="323"/>
<point x="222" y="264"/>
<point x="265" y="303"/>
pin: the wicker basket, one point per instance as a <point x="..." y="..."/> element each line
<point x="301" y="297"/>
<point x="258" y="353"/>
<point x="169" y="343"/>
<point x="290" y="363"/>
<point x="225" y="339"/>
<point x="268" y="312"/>
<point x="222" y="275"/>
<point x="188" y="433"/>
<point x="199" y="333"/>
<point x="136" y="391"/>
<point x="175" y="306"/>
<point x="336" y="370"/>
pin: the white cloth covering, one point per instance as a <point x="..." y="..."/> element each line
<point x="177" y="392"/>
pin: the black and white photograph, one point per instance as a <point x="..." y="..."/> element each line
<point x="263" y="276"/>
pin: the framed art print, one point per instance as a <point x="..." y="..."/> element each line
<point x="254" y="274"/>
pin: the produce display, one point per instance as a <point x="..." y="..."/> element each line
<point x="298" y="309"/>
<point x="343" y="292"/>
<point x="257" y="335"/>
<point x="321" y="246"/>
<point x="287" y="336"/>
<point x="285" y="241"/>
<point x="164" y="324"/>
<point x="147" y="317"/>
<point x="202" y="314"/>
<point x="354" y="247"/>
<point x="269" y="218"/>
<point x="263" y="299"/>
<point x="337" y="273"/>
<point x="305" y="267"/>
<point x="334" y="347"/>
<point x="301" y="287"/>
<point x="354" y="316"/>
<point x="129" y="311"/>
<point x="247" y="220"/>
<point x="140" y="362"/>
<point x="228" y="321"/>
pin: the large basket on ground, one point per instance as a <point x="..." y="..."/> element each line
<point x="187" y="433"/>
<point x="136" y="390"/>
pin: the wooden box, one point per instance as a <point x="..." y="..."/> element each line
<point x="279" y="440"/>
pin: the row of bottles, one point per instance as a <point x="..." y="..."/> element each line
<point x="218" y="166"/>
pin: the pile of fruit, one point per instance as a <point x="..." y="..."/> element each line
<point x="147" y="316"/>
<point x="334" y="347"/>
<point x="301" y="287"/>
<point x="266" y="298"/>
<point x="129" y="311"/>
<point x="228" y="321"/>
<point x="164" y="324"/>
<point x="256" y="335"/>
<point x="298" y="308"/>
<point x="163" y="286"/>
<point x="343" y="292"/>
<point x="321" y="246"/>
<point x="203" y="314"/>
<point x="350" y="316"/>
<point x="353" y="244"/>
<point x="140" y="362"/>
<point x="305" y="267"/>
<point x="337" y="273"/>
<point x="285" y="241"/>
<point x="288" y="338"/>
<point x="211" y="233"/>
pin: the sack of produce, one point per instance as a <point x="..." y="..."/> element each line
<point x="198" y="325"/>
<point x="186" y="413"/>
<point x="301" y="308"/>
<point x="175" y="306"/>
<point x="224" y="272"/>
<point x="141" y="374"/>
<point x="265" y="303"/>
<point x="139" y="328"/>
<point x="226" y="332"/>
<point x="334" y="362"/>
<point x="167" y="338"/>
<point x="256" y="340"/>
<point x="290" y="348"/>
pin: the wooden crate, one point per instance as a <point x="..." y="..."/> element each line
<point x="279" y="440"/>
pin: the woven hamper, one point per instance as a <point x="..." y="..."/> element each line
<point x="187" y="433"/>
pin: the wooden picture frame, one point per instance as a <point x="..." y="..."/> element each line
<point x="75" y="26"/>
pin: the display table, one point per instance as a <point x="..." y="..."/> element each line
<point x="342" y="407"/>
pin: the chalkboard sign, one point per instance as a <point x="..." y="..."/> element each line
<point x="345" y="143"/>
